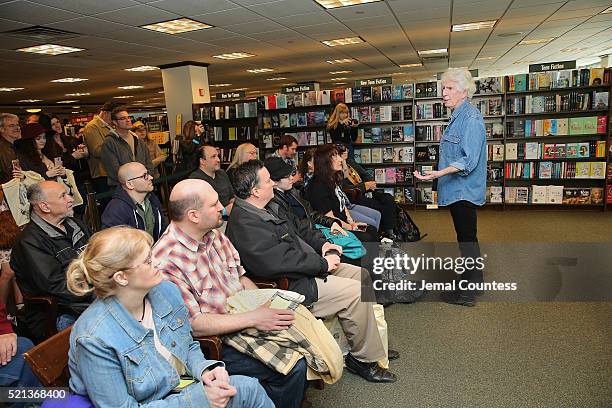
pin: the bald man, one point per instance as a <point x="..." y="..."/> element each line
<point x="43" y="251"/>
<point x="203" y="263"/>
<point x="134" y="204"/>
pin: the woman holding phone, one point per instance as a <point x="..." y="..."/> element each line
<point x="67" y="148"/>
<point x="30" y="152"/>
<point x="133" y="345"/>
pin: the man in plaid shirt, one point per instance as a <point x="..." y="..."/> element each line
<point x="206" y="267"/>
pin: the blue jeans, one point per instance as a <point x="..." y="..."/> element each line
<point x="17" y="372"/>
<point x="63" y="321"/>
<point x="361" y="213"/>
<point x="250" y="393"/>
<point x="286" y="391"/>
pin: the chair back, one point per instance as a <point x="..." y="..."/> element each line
<point x="49" y="359"/>
<point x="46" y="307"/>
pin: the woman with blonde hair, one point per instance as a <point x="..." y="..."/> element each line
<point x="244" y="153"/>
<point x="341" y="128"/>
<point x="133" y="345"/>
<point x="155" y="153"/>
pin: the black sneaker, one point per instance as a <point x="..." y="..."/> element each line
<point x="369" y="371"/>
<point x="393" y="354"/>
<point x="458" y="298"/>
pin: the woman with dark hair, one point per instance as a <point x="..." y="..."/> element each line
<point x="30" y="152"/>
<point x="357" y="177"/>
<point x="305" y="170"/>
<point x="189" y="142"/>
<point x="324" y="192"/>
<point x="64" y="146"/>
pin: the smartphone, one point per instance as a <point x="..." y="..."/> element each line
<point x="362" y="227"/>
<point x="58" y="161"/>
<point x="16" y="165"/>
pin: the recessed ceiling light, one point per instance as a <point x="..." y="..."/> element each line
<point x="573" y="49"/>
<point x="276" y="79"/>
<point x="76" y="107"/>
<point x="474" y="26"/>
<point x="218" y="85"/>
<point x="538" y="41"/>
<point x="433" y="52"/>
<point x="10" y="89"/>
<point x="397" y="73"/>
<point x="123" y="96"/>
<point x="36" y="110"/>
<point x="76" y="111"/>
<point x="485" y="58"/>
<point x="161" y="92"/>
<point x="131" y="87"/>
<point x="416" y="64"/>
<point x="142" y="68"/>
<point x="30" y="100"/>
<point x="340" y="83"/>
<point x="606" y="11"/>
<point x="180" y="25"/>
<point x="290" y="84"/>
<point x="337" y="79"/>
<point x="234" y="55"/>
<point x="259" y="70"/>
<point x="69" y="80"/>
<point x="340" y="61"/>
<point x="240" y="89"/>
<point x="330" y="4"/>
<point x="78" y="94"/>
<point x="67" y="101"/>
<point x="50" y="49"/>
<point x="343" y="41"/>
<point x="348" y="71"/>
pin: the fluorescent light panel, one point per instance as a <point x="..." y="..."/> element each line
<point x="433" y="52"/>
<point x="10" y="89"/>
<point x="474" y="26"/>
<point x="276" y="79"/>
<point x="123" y="96"/>
<point x="416" y="64"/>
<point x="606" y="11"/>
<point x="486" y="58"/>
<point x="218" y="85"/>
<point x="343" y="41"/>
<point x="131" y="87"/>
<point x="72" y="101"/>
<point x="69" y="80"/>
<point x="538" y="41"/>
<point x="340" y="61"/>
<point x="347" y="71"/>
<point x="33" y="110"/>
<point x="180" y="25"/>
<point x="79" y="94"/>
<point x="30" y="100"/>
<point x="234" y="55"/>
<point x="330" y="4"/>
<point x="142" y="68"/>
<point x="50" y="49"/>
<point x="337" y="79"/>
<point x="259" y="70"/>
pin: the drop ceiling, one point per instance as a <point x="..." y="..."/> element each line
<point x="285" y="35"/>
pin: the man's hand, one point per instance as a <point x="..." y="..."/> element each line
<point x="268" y="319"/>
<point x="328" y="246"/>
<point x="8" y="347"/>
<point x="370" y="185"/>
<point x="219" y="394"/>
<point x="429" y="175"/>
<point x="332" y="262"/>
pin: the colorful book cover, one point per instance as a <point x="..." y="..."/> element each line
<point x="284" y="120"/>
<point x="390" y="175"/>
<point x="387" y="154"/>
<point x="377" y="155"/>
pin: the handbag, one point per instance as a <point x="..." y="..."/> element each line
<point x="351" y="246"/>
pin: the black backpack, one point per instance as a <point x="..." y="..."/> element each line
<point x="406" y="230"/>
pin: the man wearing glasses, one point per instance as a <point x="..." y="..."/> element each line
<point x="9" y="132"/>
<point x="123" y="147"/>
<point x="135" y="204"/>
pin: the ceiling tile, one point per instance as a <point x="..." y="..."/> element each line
<point x="207" y="35"/>
<point x="138" y="15"/>
<point x="260" y="26"/>
<point x="7" y="25"/>
<point x="32" y="13"/>
<point x="88" y="7"/>
<point x="88" y="26"/>
<point x="305" y="19"/>
<point x="284" y="8"/>
<point x="361" y="11"/>
<point x="194" y="7"/>
<point x="227" y="18"/>
<point x="413" y="7"/>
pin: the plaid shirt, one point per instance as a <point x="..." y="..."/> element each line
<point x="207" y="272"/>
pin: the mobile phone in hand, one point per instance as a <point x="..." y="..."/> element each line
<point x="362" y="227"/>
<point x="16" y="165"/>
<point x="58" y="161"/>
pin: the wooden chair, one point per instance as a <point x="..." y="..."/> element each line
<point x="46" y="305"/>
<point x="354" y="194"/>
<point x="49" y="359"/>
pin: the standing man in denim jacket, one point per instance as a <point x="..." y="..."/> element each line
<point x="462" y="172"/>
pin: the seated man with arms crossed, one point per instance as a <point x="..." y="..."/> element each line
<point x="206" y="267"/>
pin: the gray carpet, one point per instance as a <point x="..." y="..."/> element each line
<point x="497" y="354"/>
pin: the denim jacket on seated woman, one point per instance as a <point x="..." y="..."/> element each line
<point x="113" y="360"/>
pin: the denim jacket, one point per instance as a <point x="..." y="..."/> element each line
<point x="113" y="360"/>
<point x="464" y="147"/>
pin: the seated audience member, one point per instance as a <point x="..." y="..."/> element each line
<point x="43" y="251"/>
<point x="305" y="171"/>
<point x="324" y="192"/>
<point x="286" y="149"/>
<point x="122" y="146"/>
<point x="270" y="248"/>
<point x="244" y="153"/>
<point x="357" y="177"/>
<point x="155" y="152"/>
<point x="210" y="171"/>
<point x="132" y="345"/>
<point x="134" y="203"/>
<point x="30" y="152"/>
<point x="205" y="266"/>
<point x="14" y="371"/>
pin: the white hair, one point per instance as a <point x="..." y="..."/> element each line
<point x="5" y="116"/>
<point x="462" y="77"/>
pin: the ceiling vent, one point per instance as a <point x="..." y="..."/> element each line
<point x="434" y="58"/>
<point x="40" y="34"/>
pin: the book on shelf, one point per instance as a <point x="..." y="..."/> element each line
<point x="387" y="93"/>
<point x="496" y="152"/>
<point x="284" y="120"/>
<point x="380" y="176"/>
<point x="609" y="194"/>
<point x="281" y="101"/>
<point x="338" y="95"/>
<point x="511" y="151"/>
<point x="387" y="153"/>
<point x="495" y="194"/>
<point x="376" y="94"/>
<point x="489" y="85"/>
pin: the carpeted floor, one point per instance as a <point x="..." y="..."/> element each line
<point x="537" y="354"/>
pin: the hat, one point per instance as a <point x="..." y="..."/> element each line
<point x="137" y="125"/>
<point x="278" y="168"/>
<point x="32" y="130"/>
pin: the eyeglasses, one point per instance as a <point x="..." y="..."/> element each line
<point x="144" y="177"/>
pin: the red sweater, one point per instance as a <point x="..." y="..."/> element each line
<point x="5" y="324"/>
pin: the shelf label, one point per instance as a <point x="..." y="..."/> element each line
<point x="552" y="66"/>
<point x="299" y="88"/>
<point x="230" y="95"/>
<point x="373" y="81"/>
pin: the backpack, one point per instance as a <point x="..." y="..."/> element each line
<point x="406" y="229"/>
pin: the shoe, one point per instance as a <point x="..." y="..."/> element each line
<point x="393" y="354"/>
<point x="369" y="371"/>
<point x="305" y="403"/>
<point x="458" y="298"/>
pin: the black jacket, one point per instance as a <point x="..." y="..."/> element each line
<point x="270" y="249"/>
<point x="343" y="134"/>
<point x="41" y="255"/>
<point x="121" y="210"/>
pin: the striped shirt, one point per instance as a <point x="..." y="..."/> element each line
<point x="207" y="272"/>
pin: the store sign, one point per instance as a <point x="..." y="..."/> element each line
<point x="154" y="126"/>
<point x="552" y="66"/>
<point x="373" y="81"/>
<point x="230" y="95"/>
<point x="299" y="88"/>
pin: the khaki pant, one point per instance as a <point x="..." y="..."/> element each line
<point x="340" y="295"/>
